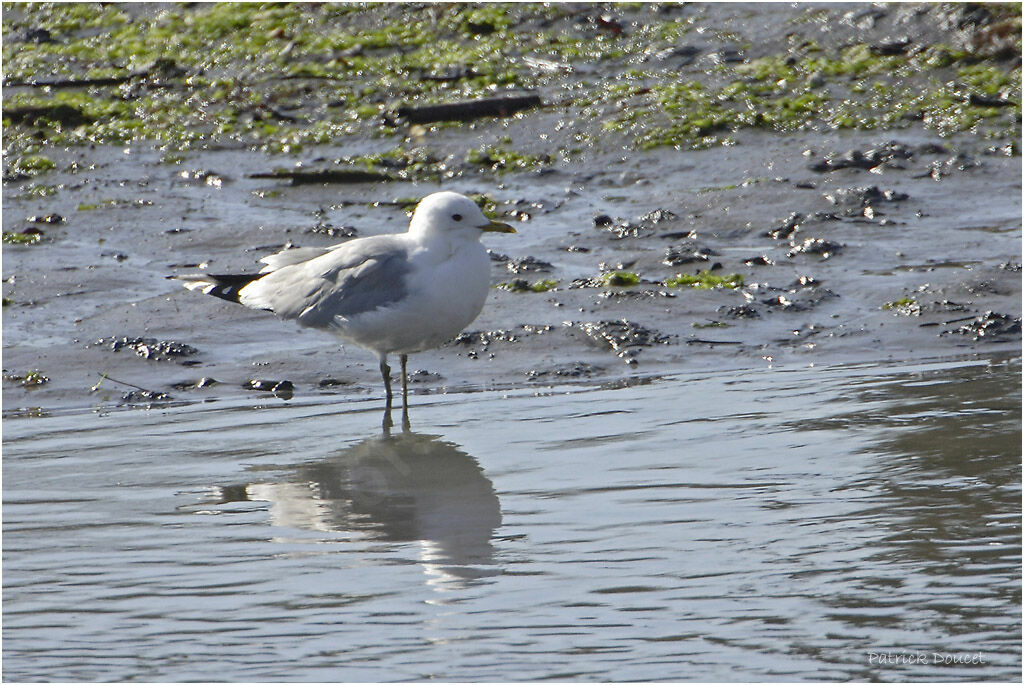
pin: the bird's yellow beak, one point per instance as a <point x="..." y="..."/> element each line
<point x="497" y="227"/>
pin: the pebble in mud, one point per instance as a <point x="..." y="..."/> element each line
<point x="484" y="339"/>
<point x="282" y="389"/>
<point x="331" y="231"/>
<point x="940" y="169"/>
<point x="825" y="249"/>
<point x="991" y="326"/>
<point x="687" y="253"/>
<point x="743" y="311"/>
<point x="643" y="226"/>
<point x="790" y="225"/>
<point x="150" y="348"/>
<point x="144" y="397"/>
<point x="885" y="154"/>
<point x="528" y="265"/>
<point x="571" y="370"/>
<point x="623" y="337"/>
<point x="859" y="198"/>
<point x="204" y="382"/>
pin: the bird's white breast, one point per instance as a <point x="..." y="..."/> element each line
<point x="446" y="288"/>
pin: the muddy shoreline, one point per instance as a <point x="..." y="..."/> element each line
<point x="812" y="246"/>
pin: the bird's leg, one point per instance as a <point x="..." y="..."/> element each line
<point x="405" y="381"/>
<point x="405" y="393"/>
<point x="385" y="373"/>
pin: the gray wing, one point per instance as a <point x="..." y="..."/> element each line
<point x="293" y="255"/>
<point x="352" y="278"/>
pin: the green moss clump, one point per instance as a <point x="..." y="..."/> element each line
<point x="521" y="285"/>
<point x="32" y="379"/>
<point x="906" y="306"/>
<point x="705" y="280"/>
<point x="31" y="165"/>
<point x="14" y="238"/>
<point x="620" y="278"/>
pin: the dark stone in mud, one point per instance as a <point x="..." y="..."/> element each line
<point x="864" y="159"/>
<point x="332" y="231"/>
<point x="571" y="370"/>
<point x="643" y="226"/>
<point x="762" y="260"/>
<point x="424" y="376"/>
<point x="687" y="253"/>
<point x="939" y="169"/>
<point x="819" y="246"/>
<point x="623" y="337"/>
<point x="202" y="177"/>
<point x="863" y="197"/>
<point x="204" y="382"/>
<point x="743" y="311"/>
<point x="788" y="227"/>
<point x="992" y="327"/>
<point x="658" y="216"/>
<point x="796" y="298"/>
<point x="150" y="348"/>
<point x="332" y="383"/>
<point x="144" y="397"/>
<point x="528" y="265"/>
<point x="47" y="219"/>
<point x="485" y="338"/>
<point x="283" y="389"/>
<point x="1010" y="266"/>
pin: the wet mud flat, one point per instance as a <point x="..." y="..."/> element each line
<point x="653" y="238"/>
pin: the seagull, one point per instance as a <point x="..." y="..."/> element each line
<point x="396" y="293"/>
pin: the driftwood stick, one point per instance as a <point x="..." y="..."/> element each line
<point x="306" y="176"/>
<point x="468" y="110"/>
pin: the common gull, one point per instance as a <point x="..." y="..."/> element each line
<point x="396" y="293"/>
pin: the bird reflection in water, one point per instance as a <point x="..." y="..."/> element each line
<point x="397" y="488"/>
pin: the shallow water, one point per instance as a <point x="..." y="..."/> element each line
<point x="755" y="525"/>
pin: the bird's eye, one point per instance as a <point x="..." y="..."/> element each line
<point x="457" y="217"/>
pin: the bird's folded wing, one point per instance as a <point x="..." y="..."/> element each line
<point x="355" y="278"/>
<point x="293" y="255"/>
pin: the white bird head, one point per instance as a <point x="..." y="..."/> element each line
<point x="451" y="213"/>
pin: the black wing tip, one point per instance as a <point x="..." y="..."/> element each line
<point x="224" y="286"/>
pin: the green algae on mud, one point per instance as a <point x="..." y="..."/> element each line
<point x="282" y="78"/>
<point x="620" y="278"/>
<point x="906" y="306"/>
<point x="521" y="285"/>
<point x="705" y="280"/>
<point x="18" y="238"/>
<point x="31" y="379"/>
